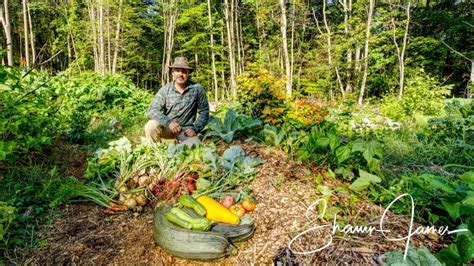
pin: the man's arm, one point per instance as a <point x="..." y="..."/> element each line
<point x="203" y="111"/>
<point x="155" y="111"/>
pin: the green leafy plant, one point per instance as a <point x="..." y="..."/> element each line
<point x="232" y="125"/>
<point x="27" y="120"/>
<point x="423" y="95"/>
<point x="262" y="95"/>
<point x="72" y="190"/>
<point x="364" y="181"/>
<point x="285" y="138"/>
<point x="460" y="252"/>
<point x="237" y="169"/>
<point x="415" y="257"/>
<point x="456" y="126"/>
<point x="7" y="215"/>
<point x="325" y="146"/>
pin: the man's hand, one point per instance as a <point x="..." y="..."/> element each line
<point x="189" y="132"/>
<point x="174" y="127"/>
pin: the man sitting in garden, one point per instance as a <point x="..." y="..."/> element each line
<point x="180" y="109"/>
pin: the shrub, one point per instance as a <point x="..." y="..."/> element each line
<point x="37" y="108"/>
<point x="90" y="99"/>
<point x="262" y="95"/>
<point x="303" y="113"/>
<point x="27" y="119"/>
<point x="423" y="95"/>
<point x="456" y="125"/>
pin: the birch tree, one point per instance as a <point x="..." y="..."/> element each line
<point x="284" y="43"/>
<point x="229" y="25"/>
<point x="401" y="51"/>
<point x="170" y="13"/>
<point x="347" y="8"/>
<point x="32" y="37"/>
<point x="5" y="19"/>
<point x="366" y="50"/>
<point x="213" y="60"/>
<point x="25" y="33"/>
<point x="117" y="38"/>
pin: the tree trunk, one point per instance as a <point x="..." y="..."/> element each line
<point x="284" y="43"/>
<point x="366" y="50"/>
<point x="169" y="25"/>
<point x="109" y="51"/>
<point x="237" y="38"/>
<point x="5" y="19"/>
<point x="257" y="20"/>
<point x="94" y="36"/>
<point x="213" y="59"/>
<point x="357" y="59"/>
<point x="292" y="41"/>
<point x="32" y="37"/>
<point x="25" y="32"/>
<point x="347" y="7"/>
<point x="101" y="37"/>
<point x="228" y="20"/>
<point x="224" y="93"/>
<point x="117" y="38"/>
<point x="469" y="92"/>
<point x="402" y="55"/>
<point x="329" y="41"/>
<point x="242" y="44"/>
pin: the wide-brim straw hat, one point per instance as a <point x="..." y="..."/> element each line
<point x="181" y="62"/>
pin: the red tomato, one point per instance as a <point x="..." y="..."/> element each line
<point x="227" y="201"/>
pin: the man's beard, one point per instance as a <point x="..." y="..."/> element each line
<point x="180" y="80"/>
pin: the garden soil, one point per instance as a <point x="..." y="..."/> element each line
<point x="283" y="190"/>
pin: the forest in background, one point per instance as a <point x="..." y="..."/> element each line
<point x="361" y="49"/>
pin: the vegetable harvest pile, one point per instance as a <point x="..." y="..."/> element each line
<point x="162" y="174"/>
<point x="203" y="223"/>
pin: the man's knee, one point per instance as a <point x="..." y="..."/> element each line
<point x="152" y="126"/>
<point x="152" y="131"/>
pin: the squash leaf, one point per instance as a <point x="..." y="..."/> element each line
<point x="364" y="181"/>
<point x="469" y="179"/>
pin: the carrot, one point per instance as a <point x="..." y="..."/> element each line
<point x="119" y="208"/>
<point x="109" y="212"/>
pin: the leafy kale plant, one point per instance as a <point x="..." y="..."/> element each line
<point x="232" y="125"/>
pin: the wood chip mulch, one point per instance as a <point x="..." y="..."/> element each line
<point x="283" y="190"/>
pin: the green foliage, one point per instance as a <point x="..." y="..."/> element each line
<point x="422" y="95"/>
<point x="304" y="113"/>
<point x="456" y="125"/>
<point x="218" y="174"/>
<point x="71" y="190"/>
<point x="7" y="215"/>
<point x="90" y="99"/>
<point x="232" y="125"/>
<point x="28" y="105"/>
<point x="323" y="145"/>
<point x="262" y="95"/>
<point x="415" y="257"/>
<point x="364" y="181"/>
<point x="38" y="108"/>
<point x="232" y="169"/>
<point x="460" y="252"/>
<point x="285" y="138"/>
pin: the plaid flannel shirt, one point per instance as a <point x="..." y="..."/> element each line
<point x="169" y="105"/>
